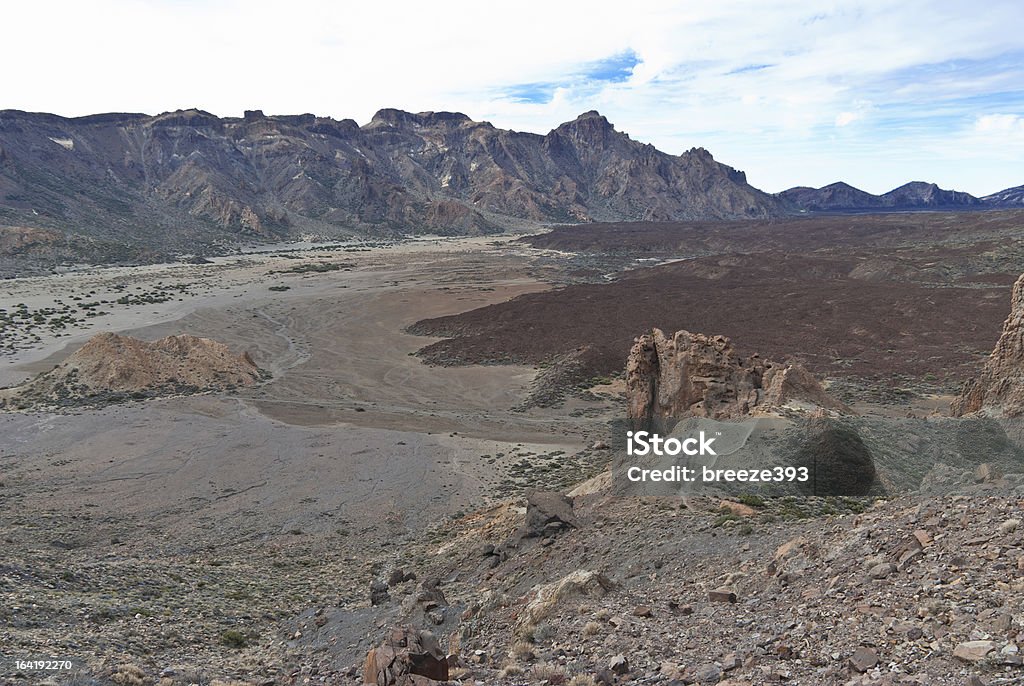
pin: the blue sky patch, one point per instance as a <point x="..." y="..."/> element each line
<point x="614" y="69"/>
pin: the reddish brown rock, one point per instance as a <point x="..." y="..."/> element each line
<point x="408" y="656"/>
<point x="693" y="375"/>
<point x="999" y="389"/>
<point x="112" y="366"/>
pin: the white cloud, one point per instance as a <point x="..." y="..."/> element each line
<point x="1012" y="124"/>
<point x="847" y="118"/>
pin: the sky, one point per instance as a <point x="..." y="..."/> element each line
<point x="875" y="93"/>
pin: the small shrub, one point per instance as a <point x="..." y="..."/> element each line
<point x="751" y="500"/>
<point x="547" y="672"/>
<point x="510" y="670"/>
<point x="592" y="628"/>
<point x="129" y="675"/>
<point x="543" y="632"/>
<point x="234" y="639"/>
<point x="521" y="650"/>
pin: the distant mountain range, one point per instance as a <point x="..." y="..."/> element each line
<point x="187" y="178"/>
<point x="914" y="195"/>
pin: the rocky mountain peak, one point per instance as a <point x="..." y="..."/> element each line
<point x="400" y="118"/>
<point x="589" y="128"/>
<point x="190" y="117"/>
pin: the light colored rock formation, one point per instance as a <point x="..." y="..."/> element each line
<point x="999" y="389"/>
<point x="111" y="366"/>
<point x="693" y="375"/>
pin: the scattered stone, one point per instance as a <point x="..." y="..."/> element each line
<point x="722" y="595"/>
<point x="378" y="592"/>
<point x="880" y="571"/>
<point x="547" y="513"/>
<point x="974" y="651"/>
<point x="642" y="611"/>
<point x="673" y="606"/>
<point x="732" y="661"/>
<point x="619" y="665"/>
<point x="708" y="673"/>
<point x="399" y="576"/>
<point x="430" y="594"/>
<point x="985" y="473"/>
<point x="863" y="659"/>
<point x="546" y="598"/>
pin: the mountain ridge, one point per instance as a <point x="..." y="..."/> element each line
<point x="188" y="180"/>
<point x="841" y="196"/>
<point x="189" y="175"/>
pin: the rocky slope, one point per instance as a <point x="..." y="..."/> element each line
<point x="1009" y="197"/>
<point x="189" y="175"/>
<point x="842" y="196"/>
<point x="999" y="389"/>
<point x="112" y="367"/>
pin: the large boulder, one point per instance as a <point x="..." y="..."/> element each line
<point x="999" y="389"/>
<point x="545" y="599"/>
<point x="407" y="657"/>
<point x="693" y="375"/>
<point x="547" y="513"/>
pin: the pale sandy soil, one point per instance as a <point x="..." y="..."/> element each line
<point x="351" y="423"/>
<point x="225" y="281"/>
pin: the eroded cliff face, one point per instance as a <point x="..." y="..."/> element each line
<point x="187" y="174"/>
<point x="694" y="375"/>
<point x="999" y="389"/>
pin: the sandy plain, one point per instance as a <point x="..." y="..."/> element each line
<point x="352" y="447"/>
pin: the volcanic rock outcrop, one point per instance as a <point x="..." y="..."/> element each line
<point x="114" y="367"/>
<point x="408" y="658"/>
<point x="693" y="375"/>
<point x="999" y="389"/>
